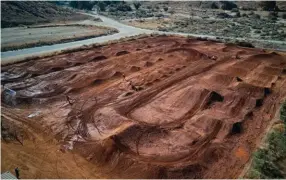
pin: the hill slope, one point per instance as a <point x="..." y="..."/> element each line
<point x="15" y="13"/>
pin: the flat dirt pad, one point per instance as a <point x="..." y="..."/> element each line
<point x="154" y="107"/>
<point x="22" y="37"/>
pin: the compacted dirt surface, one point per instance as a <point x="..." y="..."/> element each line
<point x="152" y="107"/>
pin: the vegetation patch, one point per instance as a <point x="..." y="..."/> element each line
<point x="19" y="13"/>
<point x="283" y="113"/>
<point x="269" y="161"/>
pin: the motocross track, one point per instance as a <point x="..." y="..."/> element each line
<point x="154" y="107"/>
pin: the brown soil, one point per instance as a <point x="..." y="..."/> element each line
<point x="38" y="155"/>
<point x="155" y="107"/>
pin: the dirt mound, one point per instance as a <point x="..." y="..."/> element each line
<point x="160" y="112"/>
<point x="15" y="13"/>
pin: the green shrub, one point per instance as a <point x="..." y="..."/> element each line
<point x="149" y="7"/>
<point x="266" y="160"/>
<point x="263" y="164"/>
<point x="101" y="6"/>
<point x="272" y="16"/>
<point x="237" y="14"/>
<point x="162" y="28"/>
<point x="277" y="144"/>
<point x="82" y="4"/>
<point x="159" y="15"/>
<point x="171" y="11"/>
<point x="268" y="5"/>
<point x="235" y="10"/>
<point x="244" y="8"/>
<point x="283" y="112"/>
<point x="214" y="5"/>
<point x="257" y="31"/>
<point x="244" y="15"/>
<point x="137" y="5"/>
<point x="143" y="14"/>
<point x="165" y="8"/>
<point x="112" y="9"/>
<point x="244" y="44"/>
<point x="123" y="7"/>
<point x="227" y="5"/>
<point x="257" y="16"/>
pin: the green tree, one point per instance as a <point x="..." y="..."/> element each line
<point x="101" y="5"/>
<point x="268" y="5"/>
<point x="82" y="4"/>
<point x="227" y="5"/>
<point x="74" y="4"/>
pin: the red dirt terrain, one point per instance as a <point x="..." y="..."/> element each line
<point x="154" y="107"/>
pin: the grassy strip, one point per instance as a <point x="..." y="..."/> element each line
<point x="267" y="162"/>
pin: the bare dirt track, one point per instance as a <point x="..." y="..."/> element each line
<point x="154" y="107"/>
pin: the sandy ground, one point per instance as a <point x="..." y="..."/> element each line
<point x="23" y="37"/>
<point x="39" y="156"/>
<point x="155" y="107"/>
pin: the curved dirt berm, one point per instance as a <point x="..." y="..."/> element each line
<point x="156" y="107"/>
